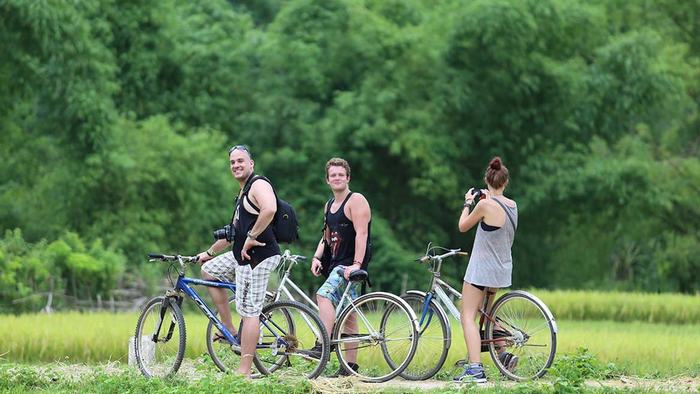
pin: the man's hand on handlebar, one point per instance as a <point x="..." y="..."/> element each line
<point x="203" y="257"/>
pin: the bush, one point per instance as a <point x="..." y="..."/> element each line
<point x="66" y="267"/>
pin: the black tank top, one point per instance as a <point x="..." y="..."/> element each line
<point x="243" y="222"/>
<point x="340" y="238"/>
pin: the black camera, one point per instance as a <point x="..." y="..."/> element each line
<point x="227" y="233"/>
<point x="478" y="194"/>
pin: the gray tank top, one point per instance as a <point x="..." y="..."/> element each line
<point x="491" y="262"/>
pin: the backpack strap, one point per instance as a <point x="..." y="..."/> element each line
<point x="246" y="189"/>
<point x="328" y="204"/>
<point x="325" y="215"/>
<point x="249" y="184"/>
<point x="512" y="222"/>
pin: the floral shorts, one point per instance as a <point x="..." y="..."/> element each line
<point x="334" y="287"/>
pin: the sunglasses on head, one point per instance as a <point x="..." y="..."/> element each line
<point x="240" y="147"/>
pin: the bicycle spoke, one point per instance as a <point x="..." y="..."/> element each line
<point x="544" y="326"/>
<point x="160" y="356"/>
<point x="530" y="339"/>
<point x="294" y="346"/>
<point x="390" y="343"/>
<point x="432" y="342"/>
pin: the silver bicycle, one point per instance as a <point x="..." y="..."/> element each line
<point x="518" y="330"/>
<point x="377" y="329"/>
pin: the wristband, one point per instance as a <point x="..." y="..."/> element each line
<point x="210" y="252"/>
<point x="316" y="257"/>
<point x="356" y="262"/>
<point x="250" y="235"/>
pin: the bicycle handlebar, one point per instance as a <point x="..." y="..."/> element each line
<point x="451" y="252"/>
<point x="287" y="255"/>
<point x="165" y="257"/>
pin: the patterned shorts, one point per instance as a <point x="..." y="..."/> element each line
<point x="334" y="287"/>
<point x="251" y="284"/>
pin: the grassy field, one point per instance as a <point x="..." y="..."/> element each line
<point x="619" y="306"/>
<point x="57" y="378"/>
<point x="637" y="348"/>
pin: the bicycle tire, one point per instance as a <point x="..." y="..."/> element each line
<point x="298" y="329"/>
<point x="434" y="332"/>
<point x="527" y="330"/>
<point x="147" y="359"/>
<point x="372" y="309"/>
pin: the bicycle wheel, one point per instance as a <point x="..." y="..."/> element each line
<point x="521" y="326"/>
<point x="434" y="338"/>
<point x="293" y="341"/>
<point x="223" y="356"/>
<point x="377" y="333"/>
<point x="159" y="341"/>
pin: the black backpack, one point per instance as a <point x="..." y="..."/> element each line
<point x="284" y="224"/>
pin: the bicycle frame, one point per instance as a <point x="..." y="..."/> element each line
<point x="282" y="288"/>
<point x="286" y="280"/>
<point x="439" y="289"/>
<point x="436" y="289"/>
<point x="184" y="285"/>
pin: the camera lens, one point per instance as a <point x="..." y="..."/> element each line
<point x="220" y="233"/>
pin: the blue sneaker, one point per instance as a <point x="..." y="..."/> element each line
<point x="472" y="373"/>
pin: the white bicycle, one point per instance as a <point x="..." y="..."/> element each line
<point x="379" y="328"/>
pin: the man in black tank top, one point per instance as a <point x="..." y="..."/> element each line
<point x="344" y="247"/>
<point x="255" y="254"/>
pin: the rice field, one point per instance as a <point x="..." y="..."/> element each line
<point x="623" y="307"/>
<point x="637" y="348"/>
<point x="662" y="340"/>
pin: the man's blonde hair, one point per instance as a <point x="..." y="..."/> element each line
<point x="338" y="162"/>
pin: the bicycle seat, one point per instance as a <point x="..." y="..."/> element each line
<point x="358" y="276"/>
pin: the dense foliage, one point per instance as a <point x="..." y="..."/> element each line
<point x="115" y="118"/>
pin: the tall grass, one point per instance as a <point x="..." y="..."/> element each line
<point x="624" y="307"/>
<point x="636" y="348"/>
<point x="81" y="337"/>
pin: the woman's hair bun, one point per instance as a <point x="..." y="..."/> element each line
<point x="495" y="163"/>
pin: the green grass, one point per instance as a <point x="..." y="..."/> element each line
<point x="637" y="348"/>
<point x="54" y="379"/>
<point x="58" y="378"/>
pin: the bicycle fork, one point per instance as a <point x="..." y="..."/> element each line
<point x="163" y="309"/>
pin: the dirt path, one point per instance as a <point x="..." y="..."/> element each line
<point x="677" y="384"/>
<point x="352" y="385"/>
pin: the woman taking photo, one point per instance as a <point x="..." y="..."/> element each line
<point x="491" y="264"/>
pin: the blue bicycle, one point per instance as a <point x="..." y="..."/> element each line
<point x="289" y="332"/>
